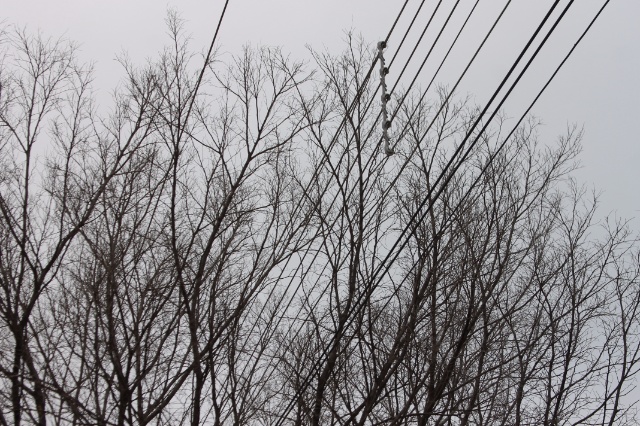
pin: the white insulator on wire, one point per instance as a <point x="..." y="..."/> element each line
<point x="386" y="123"/>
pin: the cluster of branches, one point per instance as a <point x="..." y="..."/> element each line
<point x="236" y="249"/>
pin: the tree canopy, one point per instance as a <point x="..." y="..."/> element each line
<point x="232" y="245"/>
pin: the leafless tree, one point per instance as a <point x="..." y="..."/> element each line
<point x="230" y="245"/>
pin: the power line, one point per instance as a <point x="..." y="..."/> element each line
<point x="508" y="137"/>
<point x="515" y="127"/>
<point x="404" y="37"/>
<point x="417" y="217"/>
<point x="450" y="163"/>
<point x="511" y="88"/>
<point x="314" y="257"/>
<point x="207" y="60"/>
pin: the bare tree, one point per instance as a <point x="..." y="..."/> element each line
<point x="46" y="111"/>
<point x="230" y="245"/>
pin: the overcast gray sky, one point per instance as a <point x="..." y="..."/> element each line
<point x="598" y="88"/>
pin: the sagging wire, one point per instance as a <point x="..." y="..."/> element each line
<point x="385" y="97"/>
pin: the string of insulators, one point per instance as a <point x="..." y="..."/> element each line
<point x="386" y="122"/>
